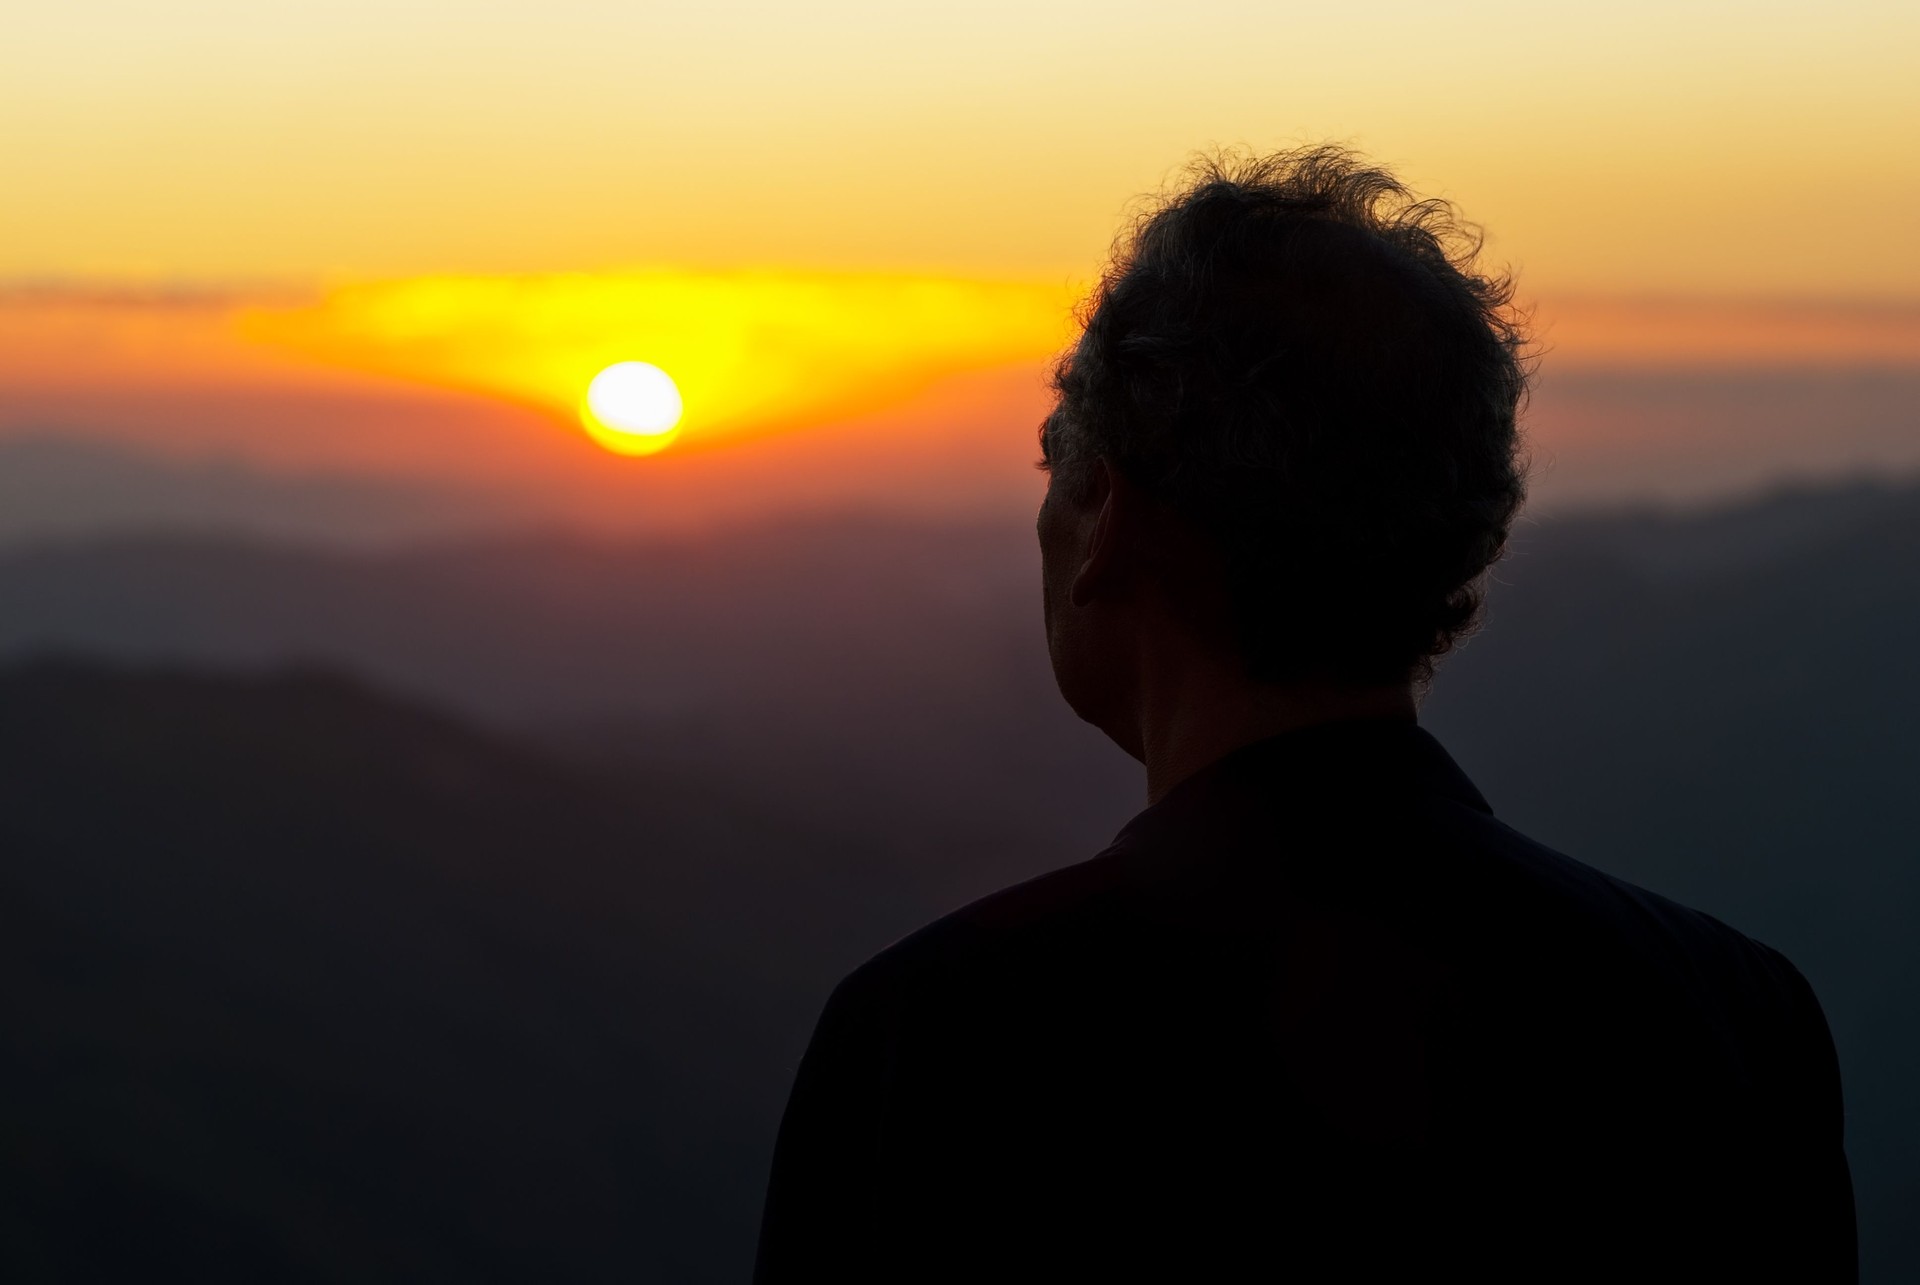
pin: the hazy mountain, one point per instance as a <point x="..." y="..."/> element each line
<point x="853" y="665"/>
<point x="302" y="983"/>
<point x="1714" y="704"/>
<point x="57" y="485"/>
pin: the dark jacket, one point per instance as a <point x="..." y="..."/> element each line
<point x="1317" y="1015"/>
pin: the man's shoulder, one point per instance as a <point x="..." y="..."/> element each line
<point x="1050" y="914"/>
<point x="1134" y="907"/>
<point x="1598" y="941"/>
<point x="1626" y="908"/>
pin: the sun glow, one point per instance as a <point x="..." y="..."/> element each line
<point x="755" y="352"/>
<point x="632" y="408"/>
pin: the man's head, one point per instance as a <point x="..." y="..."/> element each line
<point x="1292" y="418"/>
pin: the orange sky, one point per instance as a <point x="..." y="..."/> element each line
<point x="424" y="380"/>
<point x="397" y="238"/>
<point x="303" y="388"/>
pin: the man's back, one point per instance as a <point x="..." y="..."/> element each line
<point x="1317" y="1011"/>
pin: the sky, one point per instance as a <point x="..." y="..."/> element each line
<point x="397" y="238"/>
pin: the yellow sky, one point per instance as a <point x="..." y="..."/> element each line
<point x="1734" y="149"/>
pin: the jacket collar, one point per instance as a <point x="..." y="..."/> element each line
<point x="1351" y="760"/>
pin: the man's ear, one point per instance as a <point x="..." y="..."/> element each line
<point x="1101" y="564"/>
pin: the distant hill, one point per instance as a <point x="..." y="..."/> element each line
<point x="58" y="486"/>
<point x="831" y="664"/>
<point x="304" y="983"/>
<point x="1716" y="704"/>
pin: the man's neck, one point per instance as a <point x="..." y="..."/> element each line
<point x="1193" y="724"/>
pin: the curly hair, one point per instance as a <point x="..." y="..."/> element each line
<point x="1299" y="358"/>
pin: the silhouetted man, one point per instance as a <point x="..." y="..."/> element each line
<point x="1315" y="1014"/>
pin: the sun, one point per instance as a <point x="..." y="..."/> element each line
<point x="632" y="408"/>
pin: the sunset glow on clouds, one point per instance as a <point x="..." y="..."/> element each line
<point x="811" y="390"/>
<point x="752" y="352"/>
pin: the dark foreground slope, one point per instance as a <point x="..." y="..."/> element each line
<point x="300" y="983"/>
